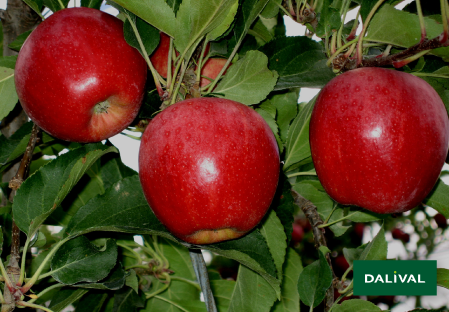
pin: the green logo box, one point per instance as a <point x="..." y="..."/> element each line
<point x="395" y="277"/>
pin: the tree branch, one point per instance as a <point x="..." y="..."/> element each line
<point x="425" y="45"/>
<point x="312" y="215"/>
<point x="13" y="269"/>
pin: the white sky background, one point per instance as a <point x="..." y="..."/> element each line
<point x="129" y="152"/>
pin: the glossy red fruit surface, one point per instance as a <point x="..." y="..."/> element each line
<point x="77" y="78"/>
<point x="209" y="169"/>
<point x="211" y="69"/>
<point x="159" y="58"/>
<point x="378" y="139"/>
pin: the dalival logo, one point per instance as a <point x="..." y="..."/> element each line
<point x="396" y="278"/>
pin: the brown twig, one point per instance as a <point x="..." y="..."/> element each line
<point x="390" y="59"/>
<point x="13" y="269"/>
<point x="310" y="211"/>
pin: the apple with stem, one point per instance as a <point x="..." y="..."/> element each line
<point x="209" y="169"/>
<point x="210" y="69"/>
<point x="77" y="78"/>
<point x="378" y="139"/>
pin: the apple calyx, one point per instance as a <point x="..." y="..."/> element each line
<point x="204" y="237"/>
<point x="102" y="107"/>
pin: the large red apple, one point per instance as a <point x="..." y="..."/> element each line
<point x="77" y="78"/>
<point x="378" y="139"/>
<point x="209" y="169"/>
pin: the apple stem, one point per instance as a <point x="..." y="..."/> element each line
<point x="200" y="64"/>
<point x="401" y="63"/>
<point x="169" y="63"/>
<point x="157" y="78"/>
<point x="34" y="306"/>
<point x="344" y="11"/>
<point x="421" y="21"/>
<point x="199" y="266"/>
<point x="334" y="43"/>
<point x="364" y="28"/>
<point x="286" y="12"/>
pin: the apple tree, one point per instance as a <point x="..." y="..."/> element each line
<point x="77" y="231"/>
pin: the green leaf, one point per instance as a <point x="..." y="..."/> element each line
<point x="362" y="215"/>
<point x="251" y="292"/>
<point x="92" y="302"/>
<point x="388" y="25"/>
<point x="115" y="280"/>
<point x="179" y="292"/>
<point x="297" y="147"/>
<point x="155" y="12"/>
<point x="356" y="305"/>
<point x="377" y="249"/>
<point x="249" y="73"/>
<point x="55" y="5"/>
<point x="149" y="35"/>
<point x="13" y="147"/>
<point x="8" y="94"/>
<point x="122" y="208"/>
<point x="8" y="61"/>
<point x="329" y="20"/>
<point x="95" y="4"/>
<point x="195" y="19"/>
<point x="65" y="297"/>
<point x="36" y="5"/>
<point x="42" y="192"/>
<point x="271" y="9"/>
<point x="439" y="198"/>
<point x="269" y="119"/>
<point x="352" y="254"/>
<point x="126" y="300"/>
<point x="314" y="280"/>
<point x="225" y="24"/>
<point x="79" y="260"/>
<point x="289" y="291"/>
<point x="285" y="207"/>
<point x="222" y="290"/>
<point x="252" y="251"/>
<point x="286" y="105"/>
<point x="132" y="281"/>
<point x="299" y="61"/>
<point x="106" y="171"/>
<point x="249" y="11"/>
<point x="325" y="205"/>
<point x="274" y="234"/>
<point x="19" y="41"/>
<point x="367" y="6"/>
<point x="443" y="278"/>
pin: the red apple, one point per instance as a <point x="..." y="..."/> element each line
<point x="297" y="234"/>
<point x="401" y="235"/>
<point x="209" y="169"/>
<point x="440" y="220"/>
<point x="211" y="69"/>
<point x="77" y="78"/>
<point x="159" y="58"/>
<point x="378" y="139"/>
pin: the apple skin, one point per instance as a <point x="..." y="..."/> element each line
<point x="77" y="78"/>
<point x="211" y="69"/>
<point x="378" y="139"/>
<point x="209" y="169"/>
<point x="159" y="58"/>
